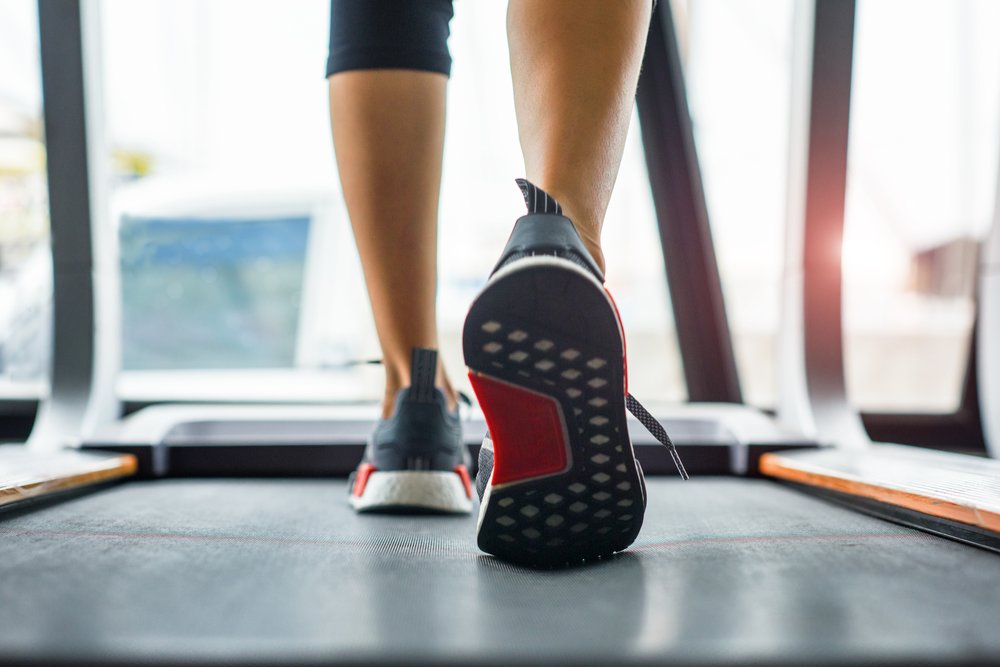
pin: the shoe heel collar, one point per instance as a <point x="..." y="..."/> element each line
<point x="547" y="234"/>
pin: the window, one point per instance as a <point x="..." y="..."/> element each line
<point x="921" y="185"/>
<point x="737" y="60"/>
<point x="25" y="255"/>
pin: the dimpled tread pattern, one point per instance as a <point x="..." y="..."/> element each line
<point x="552" y="330"/>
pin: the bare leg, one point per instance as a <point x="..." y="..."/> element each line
<point x="388" y="131"/>
<point x="575" y="65"/>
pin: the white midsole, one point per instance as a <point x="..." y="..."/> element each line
<point x="436" y="490"/>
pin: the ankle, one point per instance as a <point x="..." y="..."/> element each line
<point x="394" y="381"/>
<point x="591" y="237"/>
<point x="450" y="394"/>
<point x="594" y="248"/>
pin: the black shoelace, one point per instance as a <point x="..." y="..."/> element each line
<point x="655" y="429"/>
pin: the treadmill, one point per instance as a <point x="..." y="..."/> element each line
<point x="182" y="534"/>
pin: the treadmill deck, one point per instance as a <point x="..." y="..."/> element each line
<point x="725" y="570"/>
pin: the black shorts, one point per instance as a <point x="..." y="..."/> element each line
<point x="389" y="34"/>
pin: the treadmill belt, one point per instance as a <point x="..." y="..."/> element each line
<point x="277" y="571"/>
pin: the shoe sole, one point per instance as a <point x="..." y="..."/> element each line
<point x="545" y="353"/>
<point x="407" y="492"/>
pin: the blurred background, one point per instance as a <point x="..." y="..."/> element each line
<point x="239" y="278"/>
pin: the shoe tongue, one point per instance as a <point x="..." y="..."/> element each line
<point x="536" y="199"/>
<point x="423" y="371"/>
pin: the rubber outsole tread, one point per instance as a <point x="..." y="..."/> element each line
<point x="550" y="329"/>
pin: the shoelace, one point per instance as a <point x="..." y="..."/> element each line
<point x="655" y="429"/>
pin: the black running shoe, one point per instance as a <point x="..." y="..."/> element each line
<point x="416" y="460"/>
<point x="543" y="341"/>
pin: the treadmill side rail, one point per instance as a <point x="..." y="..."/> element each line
<point x="954" y="487"/>
<point x="26" y="474"/>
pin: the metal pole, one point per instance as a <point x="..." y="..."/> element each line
<point x="813" y="393"/>
<point x="682" y="216"/>
<point x="85" y="299"/>
<point x="988" y="334"/>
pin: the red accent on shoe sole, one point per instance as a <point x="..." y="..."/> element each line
<point x="463" y="472"/>
<point x="529" y="438"/>
<point x="361" y="479"/>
